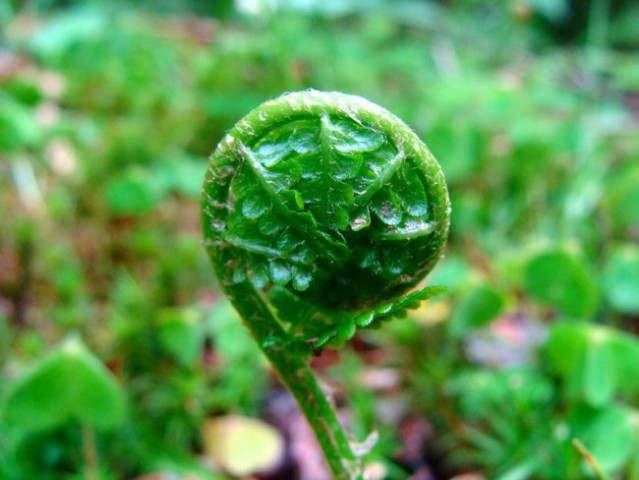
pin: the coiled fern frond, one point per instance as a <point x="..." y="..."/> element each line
<point x="320" y="212"/>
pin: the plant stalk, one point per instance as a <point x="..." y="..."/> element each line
<point x="590" y="460"/>
<point x="298" y="377"/>
<point x="90" y="453"/>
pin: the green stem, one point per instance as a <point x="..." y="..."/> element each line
<point x="90" y="453"/>
<point x="590" y="459"/>
<point x="298" y="378"/>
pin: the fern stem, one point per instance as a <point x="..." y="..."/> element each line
<point x="298" y="377"/>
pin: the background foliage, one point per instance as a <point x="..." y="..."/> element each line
<point x="107" y="115"/>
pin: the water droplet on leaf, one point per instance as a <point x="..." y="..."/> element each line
<point x="218" y="225"/>
<point x="388" y="213"/>
<point x="361" y="221"/>
<point x="239" y="275"/>
<point x="280" y="274"/>
<point x="301" y="278"/>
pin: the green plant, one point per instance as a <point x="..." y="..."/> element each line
<point x="320" y="212"/>
<point x="79" y="391"/>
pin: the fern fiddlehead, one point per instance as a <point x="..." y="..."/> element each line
<point x="320" y="211"/>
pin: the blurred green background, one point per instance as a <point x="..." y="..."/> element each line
<point x="120" y="359"/>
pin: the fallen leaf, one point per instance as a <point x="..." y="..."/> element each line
<point x="242" y="446"/>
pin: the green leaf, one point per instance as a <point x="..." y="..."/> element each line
<point x="626" y="357"/>
<point x="476" y="309"/>
<point x="608" y="433"/>
<point x="181" y="334"/>
<point x="565" y="351"/>
<point x="70" y="383"/>
<point x="561" y="280"/>
<point x="347" y="324"/>
<point x="595" y="362"/>
<point x="309" y="325"/>
<point x="621" y="279"/>
<point x="600" y="374"/>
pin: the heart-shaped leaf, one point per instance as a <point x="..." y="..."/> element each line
<point x="595" y="362"/>
<point x="561" y="280"/>
<point x="70" y="383"/>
